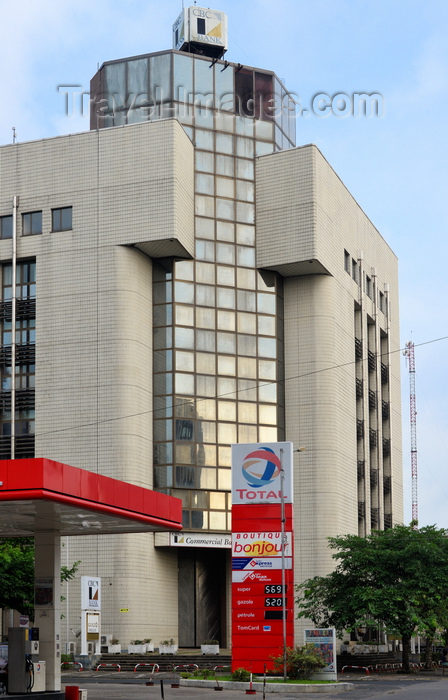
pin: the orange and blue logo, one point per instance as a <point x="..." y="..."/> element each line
<point x="261" y="467"/>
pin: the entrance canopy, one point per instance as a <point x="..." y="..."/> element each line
<point x="40" y="494"/>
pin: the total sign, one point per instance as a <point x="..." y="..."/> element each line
<point x="257" y="470"/>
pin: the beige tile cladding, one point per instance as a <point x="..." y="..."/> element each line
<point x="131" y="185"/>
<point x="305" y="213"/>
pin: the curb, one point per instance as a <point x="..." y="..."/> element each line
<point x="271" y="687"/>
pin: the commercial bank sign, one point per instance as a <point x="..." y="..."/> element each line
<point x="256" y="473"/>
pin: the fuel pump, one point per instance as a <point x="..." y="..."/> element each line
<point x="23" y="644"/>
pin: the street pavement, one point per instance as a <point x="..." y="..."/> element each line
<point x="376" y="688"/>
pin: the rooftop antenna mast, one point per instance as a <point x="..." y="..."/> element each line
<point x="408" y="352"/>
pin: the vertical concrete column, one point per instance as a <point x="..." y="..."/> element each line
<point x="48" y="604"/>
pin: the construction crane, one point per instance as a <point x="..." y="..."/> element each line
<point x="408" y="352"/>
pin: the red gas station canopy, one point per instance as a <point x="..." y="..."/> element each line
<point x="40" y="494"/>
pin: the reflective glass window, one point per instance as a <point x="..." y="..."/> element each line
<point x="204" y="139"/>
<point x="268" y="392"/>
<point x="224" y="88"/>
<point x="32" y="223"/>
<point x="204" y="115"/>
<point x="163" y="315"/>
<point x="247" y="389"/>
<point x="185" y="408"/>
<point x="246" y="301"/>
<point x="206" y="455"/>
<point x="225" y="209"/>
<point x="226" y="342"/>
<point x="225" y="231"/>
<point x="218" y="521"/>
<point x="226" y="320"/>
<point x="227" y="433"/>
<point x="247" y="412"/>
<point x="205" y="295"/>
<point x="205" y="318"/>
<point x="224" y="457"/>
<point x="247" y="433"/>
<point x="205" y="340"/>
<point x="245" y="256"/>
<point x="163" y="383"/>
<point x="162" y="292"/>
<point x="205" y="250"/>
<point x="247" y="323"/>
<point x="205" y="385"/>
<point x="247" y="345"/>
<point x="263" y="147"/>
<point x="205" y="273"/>
<point x="225" y="165"/>
<point x="163" y="406"/>
<point x="225" y="253"/>
<point x="224" y="122"/>
<point x="267" y="303"/>
<point x="184" y="383"/>
<point x="226" y="297"/>
<point x="163" y="453"/>
<point x="244" y="147"/>
<point x="245" y="169"/>
<point x="138" y="77"/>
<point x="185" y="454"/>
<point x="203" y="81"/>
<point x="61" y="219"/>
<point x="184" y="315"/>
<point x="159" y="69"/>
<point x="184" y="292"/>
<point x="204" y="206"/>
<point x="217" y="501"/>
<point x="226" y="387"/>
<point x="245" y="278"/>
<point x="163" y="430"/>
<point x="264" y="130"/>
<point x="206" y="408"/>
<point x="225" y="187"/>
<point x="267" y="434"/>
<point x="224" y="143"/>
<point x="245" y="190"/>
<point x="245" y="235"/>
<point x="267" y="369"/>
<point x="6" y="226"/>
<point x="268" y="414"/>
<point x="247" y="367"/>
<point x="184" y="338"/>
<point x="227" y="410"/>
<point x="184" y="361"/>
<point x="205" y="183"/>
<point x="205" y="362"/>
<point x="184" y="270"/>
<point x="205" y="161"/>
<point x="183" y="78"/>
<point x="163" y="360"/>
<point x="266" y="325"/>
<point x="226" y="365"/>
<point x="225" y="275"/>
<point x="244" y="126"/>
<point x="267" y="347"/>
<point x="205" y="228"/>
<point x="245" y="212"/>
<point x="163" y="477"/>
<point x="114" y="81"/>
<point x="162" y="338"/>
<point x="208" y="431"/>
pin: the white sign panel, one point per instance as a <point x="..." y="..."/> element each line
<point x="256" y="473"/>
<point x="90" y="593"/>
<point x="199" y="539"/>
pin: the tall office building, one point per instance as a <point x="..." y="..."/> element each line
<point x="181" y="278"/>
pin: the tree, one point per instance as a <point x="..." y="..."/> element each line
<point x="396" y="577"/>
<point x="17" y="574"/>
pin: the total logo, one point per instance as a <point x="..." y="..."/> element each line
<point x="261" y="467"/>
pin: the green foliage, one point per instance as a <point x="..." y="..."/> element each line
<point x="396" y="577"/>
<point x="17" y="574"/>
<point x="66" y="660"/>
<point x="240" y="674"/>
<point x="301" y="662"/>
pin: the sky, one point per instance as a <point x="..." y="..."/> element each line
<point x="395" y="165"/>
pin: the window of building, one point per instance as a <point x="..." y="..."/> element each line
<point x="347" y="261"/>
<point x="354" y="270"/>
<point x="201" y="25"/>
<point x="381" y="301"/>
<point x="6" y="226"/>
<point x="32" y="223"/>
<point x="61" y="219"/>
<point x="368" y="286"/>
